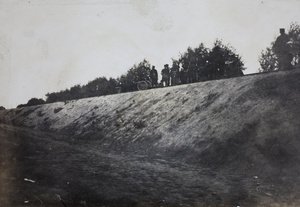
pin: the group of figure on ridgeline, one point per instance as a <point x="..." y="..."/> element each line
<point x="170" y="76"/>
<point x="152" y="76"/>
<point x="283" y="50"/>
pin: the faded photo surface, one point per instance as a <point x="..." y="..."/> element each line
<point x="149" y="103"/>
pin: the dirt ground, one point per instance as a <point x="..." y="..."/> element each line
<point x="232" y="142"/>
<point x="42" y="169"/>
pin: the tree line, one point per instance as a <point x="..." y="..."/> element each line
<point x="194" y="65"/>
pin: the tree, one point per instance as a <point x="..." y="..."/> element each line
<point x="268" y="59"/>
<point x="294" y="34"/>
<point x="63" y="95"/>
<point x="223" y="62"/>
<point x="100" y="87"/>
<point x="74" y="92"/>
<point x="32" y="102"/>
<point x="193" y="63"/>
<point x="35" y="101"/>
<point x="201" y="63"/>
<point x="52" y="97"/>
<point x="138" y="72"/>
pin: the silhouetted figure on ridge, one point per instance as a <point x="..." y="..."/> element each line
<point x="174" y="74"/>
<point x="165" y="75"/>
<point x="154" y="76"/>
<point x="281" y="49"/>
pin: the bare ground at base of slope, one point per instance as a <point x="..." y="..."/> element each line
<point x="40" y="169"/>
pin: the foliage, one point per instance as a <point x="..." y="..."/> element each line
<point x="98" y="87"/>
<point x="201" y="63"/>
<point x="35" y="101"/>
<point x="223" y="62"/>
<point x="2" y="108"/>
<point x="32" y="102"/>
<point x="57" y="96"/>
<point x="268" y="59"/>
<point x="193" y="63"/>
<point x="294" y="34"/>
<point x="196" y="64"/>
<point x="137" y="73"/>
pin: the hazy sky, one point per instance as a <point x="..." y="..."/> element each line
<point x="50" y="45"/>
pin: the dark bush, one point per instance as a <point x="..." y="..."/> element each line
<point x="35" y="101"/>
<point x="21" y="106"/>
<point x="32" y="102"/>
<point x="139" y="124"/>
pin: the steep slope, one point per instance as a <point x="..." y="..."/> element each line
<point x="181" y="116"/>
<point x="246" y="128"/>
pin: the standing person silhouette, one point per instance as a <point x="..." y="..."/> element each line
<point x="281" y="49"/>
<point x="165" y="75"/>
<point x="174" y="72"/>
<point x="154" y="76"/>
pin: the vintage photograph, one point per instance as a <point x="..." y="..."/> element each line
<point x="149" y="103"/>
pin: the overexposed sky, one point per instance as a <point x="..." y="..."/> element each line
<point x="50" y="45"/>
